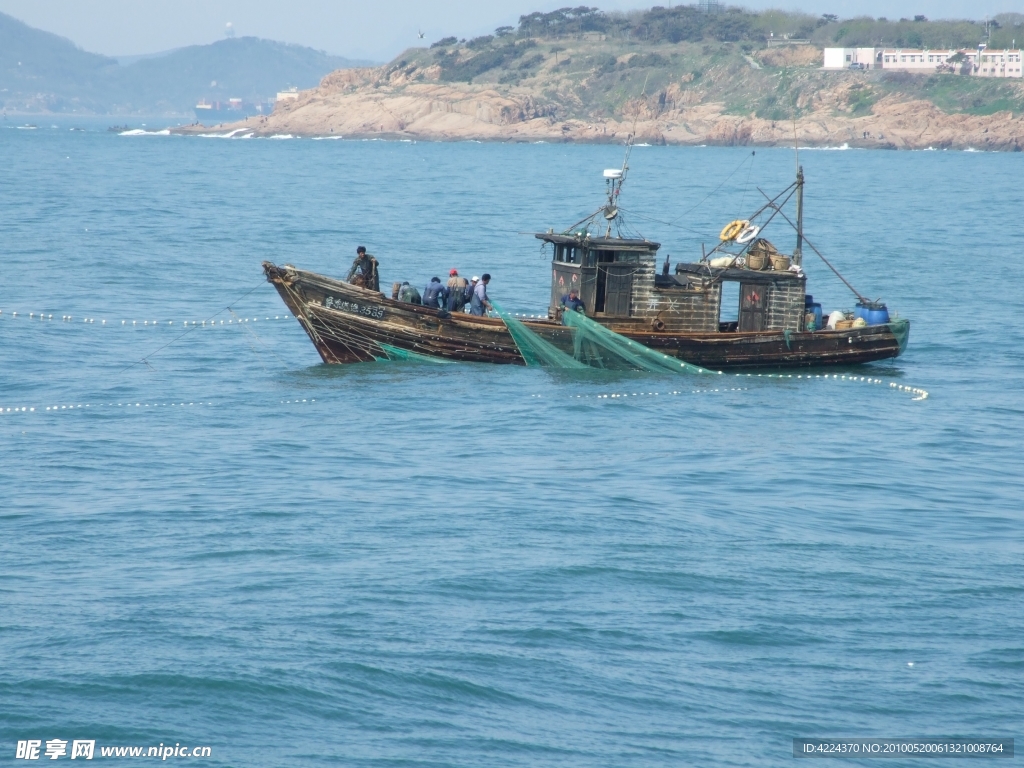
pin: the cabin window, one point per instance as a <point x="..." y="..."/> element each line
<point x="568" y="254"/>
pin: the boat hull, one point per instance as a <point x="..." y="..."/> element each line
<point x="349" y="324"/>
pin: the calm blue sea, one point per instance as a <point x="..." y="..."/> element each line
<point x="468" y="565"/>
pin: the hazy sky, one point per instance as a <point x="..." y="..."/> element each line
<point x="370" y="29"/>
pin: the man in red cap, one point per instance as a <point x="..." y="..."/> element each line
<point x="456" y="291"/>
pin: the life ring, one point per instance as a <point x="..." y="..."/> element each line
<point x="732" y="229"/>
<point x="749" y="233"/>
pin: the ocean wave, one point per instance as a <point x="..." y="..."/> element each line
<point x="143" y="132"/>
<point x="842" y="148"/>
<point x="327" y="138"/>
<point x="229" y="135"/>
<point x="280" y="136"/>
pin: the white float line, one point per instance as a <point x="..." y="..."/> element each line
<point x="42" y="316"/>
<point x="919" y="394"/>
<point x="617" y="395"/>
<point x="139" y="404"/>
<point x="95" y="406"/>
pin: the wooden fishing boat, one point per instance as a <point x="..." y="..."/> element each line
<point x="677" y="314"/>
<point x="349" y="324"/>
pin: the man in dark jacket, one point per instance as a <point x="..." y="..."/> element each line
<point x="364" y="271"/>
<point x="435" y="295"/>
<point x="572" y="301"/>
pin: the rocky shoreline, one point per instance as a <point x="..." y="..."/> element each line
<point x="373" y="103"/>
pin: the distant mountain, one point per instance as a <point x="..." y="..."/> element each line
<point x="42" y="72"/>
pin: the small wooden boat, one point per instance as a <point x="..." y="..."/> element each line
<point x="677" y="314"/>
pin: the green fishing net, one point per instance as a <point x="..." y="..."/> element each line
<point x="594" y="346"/>
<point x="901" y="330"/>
<point x="534" y="349"/>
<point x="405" y="355"/>
<point x="600" y="347"/>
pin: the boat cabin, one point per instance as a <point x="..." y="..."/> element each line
<point x="621" y="286"/>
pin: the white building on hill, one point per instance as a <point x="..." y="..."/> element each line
<point x="981" y="62"/>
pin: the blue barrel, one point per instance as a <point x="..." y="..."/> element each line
<point x="810" y="305"/>
<point x="873" y="312"/>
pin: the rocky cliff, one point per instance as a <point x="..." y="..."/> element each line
<point x="691" y="95"/>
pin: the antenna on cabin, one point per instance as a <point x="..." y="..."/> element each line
<point x="615" y="177"/>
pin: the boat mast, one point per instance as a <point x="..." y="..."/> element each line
<point x="798" y="252"/>
<point x="616" y="181"/>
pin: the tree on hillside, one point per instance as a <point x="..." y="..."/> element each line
<point x="564" y="21"/>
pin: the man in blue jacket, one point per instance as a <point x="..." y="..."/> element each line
<point x="435" y="295"/>
<point x="572" y="301"/>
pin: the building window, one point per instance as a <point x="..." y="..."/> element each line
<point x="848" y="57"/>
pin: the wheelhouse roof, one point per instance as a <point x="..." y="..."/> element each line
<point x="599" y="243"/>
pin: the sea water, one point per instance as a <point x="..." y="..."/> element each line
<point x="207" y="537"/>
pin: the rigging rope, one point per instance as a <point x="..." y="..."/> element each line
<point x="827" y="262"/>
<point x="712" y="192"/>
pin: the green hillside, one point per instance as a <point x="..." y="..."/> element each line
<point x="42" y="72"/>
<point x="585" y="63"/>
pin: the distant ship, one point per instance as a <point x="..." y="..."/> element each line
<point x="213" y="113"/>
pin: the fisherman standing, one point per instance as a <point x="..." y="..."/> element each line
<point x="480" y="303"/>
<point x="435" y="295"/>
<point x="364" y="271"/>
<point x="467" y="295"/>
<point x="456" y="291"/>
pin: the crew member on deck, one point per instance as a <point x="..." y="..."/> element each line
<point x="467" y="295"/>
<point x="364" y="271"/>
<point x="456" y="291"/>
<point x="409" y="294"/>
<point x="435" y="295"/>
<point x="573" y="302"/>
<point x="479" y="305"/>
